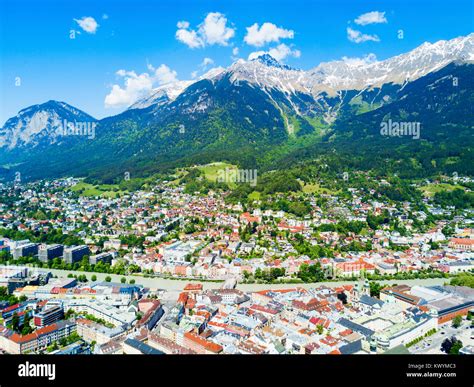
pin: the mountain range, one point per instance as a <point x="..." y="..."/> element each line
<point x="264" y="113"/>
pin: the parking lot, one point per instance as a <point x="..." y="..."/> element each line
<point x="432" y="344"/>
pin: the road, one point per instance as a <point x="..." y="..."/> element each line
<point x="178" y="285"/>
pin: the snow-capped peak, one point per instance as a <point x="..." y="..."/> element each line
<point x="170" y="91"/>
<point x="162" y="94"/>
<point x="214" y="72"/>
<point x="270" y="61"/>
<point x="358" y="74"/>
<point x="266" y="72"/>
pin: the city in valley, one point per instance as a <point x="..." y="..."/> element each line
<point x="177" y="266"/>
<point x="282" y="177"/>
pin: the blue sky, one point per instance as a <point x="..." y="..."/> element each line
<point x="148" y="43"/>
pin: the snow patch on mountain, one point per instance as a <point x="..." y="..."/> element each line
<point x="39" y="124"/>
<point x="170" y="91"/>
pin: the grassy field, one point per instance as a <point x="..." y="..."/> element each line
<point x="431" y="189"/>
<point x="104" y="190"/>
<point x="316" y="189"/>
<point x="211" y="171"/>
<point x="179" y="174"/>
<point x="255" y="195"/>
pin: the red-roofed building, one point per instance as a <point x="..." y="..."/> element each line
<point x="41" y="338"/>
<point x="354" y="269"/>
<point x="183" y="297"/>
<point x="329" y="341"/>
<point x="247" y="218"/>
<point x="463" y="244"/>
<point x="153" y="312"/>
<point x="193" y="288"/>
<point x="267" y="312"/>
<point x="201" y="345"/>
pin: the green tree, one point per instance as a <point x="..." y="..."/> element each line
<point x="457" y="321"/>
<point x="463" y="279"/>
<point x="375" y="289"/>
<point x="456" y="348"/>
<point x="311" y="273"/>
<point x="15" y="322"/>
<point x="451" y="345"/>
<point x="319" y="329"/>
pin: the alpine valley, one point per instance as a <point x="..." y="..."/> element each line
<point x="264" y="114"/>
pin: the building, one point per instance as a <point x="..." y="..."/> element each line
<point x="40" y="339"/>
<point x="25" y="250"/>
<point x="98" y="309"/>
<point x="13" y="277"/>
<point x="354" y="269"/>
<point x="135" y="347"/>
<point x="200" y="344"/>
<point x="77" y="348"/>
<point x="167" y="346"/>
<point x="76" y="253"/>
<point x="8" y="312"/>
<point x="152" y="310"/>
<point x="463" y="244"/>
<point x="368" y="304"/>
<point x="91" y="331"/>
<point x="49" y="315"/>
<point x="178" y="251"/>
<point x="385" y="268"/>
<point x="49" y="252"/>
<point x="457" y="267"/>
<point x="193" y="289"/>
<point x="400" y="294"/>
<point x="102" y="257"/>
<point x="416" y="325"/>
<point x="451" y="301"/>
<point x="446" y="302"/>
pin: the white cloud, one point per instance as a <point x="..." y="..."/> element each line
<point x="189" y="38"/>
<point x="183" y="24"/>
<point x="371" y="18"/>
<point x="105" y="16"/>
<point x="256" y="54"/>
<point x="88" y="24"/>
<point x="137" y="85"/>
<point x="358" y="37"/>
<point x="164" y="75"/>
<point x="213" y="30"/>
<point x="203" y="66"/>
<point x="267" y="33"/>
<point x="235" y="54"/>
<point x="280" y="53"/>
<point x="206" y="62"/>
